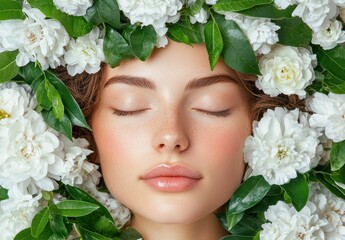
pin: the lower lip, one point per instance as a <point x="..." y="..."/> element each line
<point x="172" y="184"/>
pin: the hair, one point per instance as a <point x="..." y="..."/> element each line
<point x="86" y="88"/>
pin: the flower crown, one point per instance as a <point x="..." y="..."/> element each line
<point x="295" y="182"/>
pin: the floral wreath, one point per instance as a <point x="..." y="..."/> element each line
<point x="295" y="182"/>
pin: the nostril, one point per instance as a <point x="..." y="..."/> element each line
<point x="161" y="145"/>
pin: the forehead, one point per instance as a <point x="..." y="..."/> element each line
<point x="175" y="62"/>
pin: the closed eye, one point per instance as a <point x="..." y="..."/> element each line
<point x="122" y="113"/>
<point x="223" y="113"/>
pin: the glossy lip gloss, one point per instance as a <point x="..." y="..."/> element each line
<point x="171" y="178"/>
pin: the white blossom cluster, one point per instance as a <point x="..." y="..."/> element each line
<point x="73" y="7"/>
<point x="34" y="157"/>
<point x="46" y="41"/>
<point x="322" y="218"/>
<point x="283" y="144"/>
<point x="320" y="16"/>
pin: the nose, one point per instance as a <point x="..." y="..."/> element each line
<point x="171" y="133"/>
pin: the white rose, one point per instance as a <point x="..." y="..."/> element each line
<point x="73" y="7"/>
<point x="329" y="111"/>
<point x="282" y="145"/>
<point x="317" y="13"/>
<point x="85" y="53"/>
<point x="27" y="160"/>
<point x="329" y="37"/>
<point x="287" y="70"/>
<point x="286" y="223"/>
<point x="152" y="12"/>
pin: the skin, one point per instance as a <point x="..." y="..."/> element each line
<point x="203" y="128"/>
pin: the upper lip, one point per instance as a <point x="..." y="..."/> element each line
<point x="165" y="170"/>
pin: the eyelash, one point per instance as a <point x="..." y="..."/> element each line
<point x="223" y="113"/>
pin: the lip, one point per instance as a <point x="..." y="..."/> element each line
<point x="171" y="178"/>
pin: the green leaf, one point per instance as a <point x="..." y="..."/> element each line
<point x="71" y="106"/>
<point x="39" y="222"/>
<point x="298" y="191"/>
<point x="333" y="84"/>
<point x="248" y="226"/>
<point x="57" y="225"/>
<point x="214" y="42"/>
<point x="97" y="222"/>
<point x="109" y="12"/>
<point x="269" y="11"/>
<point x="332" y="60"/>
<point x="338" y="176"/>
<point x="55" y="98"/>
<point x="31" y="73"/>
<point x="130" y="234"/>
<point x="25" y="234"/>
<point x="10" y="9"/>
<point x="237" y="52"/>
<point x="8" y="66"/>
<point x="272" y="197"/>
<point x="294" y="32"/>
<point x="237" y="5"/>
<point x="236" y="237"/>
<point x="41" y="93"/>
<point x="75" y="26"/>
<point x="89" y="235"/>
<point x="233" y="219"/>
<point x="184" y="31"/>
<point x="75" y="208"/>
<point x="142" y="42"/>
<point x="79" y="194"/>
<point x="248" y="194"/>
<point x="64" y="126"/>
<point x="195" y="7"/>
<point x="115" y="47"/>
<point x="329" y="183"/>
<point x="3" y="193"/>
<point x="337" y="157"/>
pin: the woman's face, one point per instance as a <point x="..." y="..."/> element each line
<point x="170" y="134"/>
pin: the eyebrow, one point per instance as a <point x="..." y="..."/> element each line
<point x="193" y="84"/>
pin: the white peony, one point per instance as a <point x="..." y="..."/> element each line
<point x="15" y="100"/>
<point x="41" y="40"/>
<point x="16" y="214"/>
<point x="317" y="13"/>
<point x="27" y="160"/>
<point x="287" y="70"/>
<point x="339" y="3"/>
<point x="152" y="12"/>
<point x="331" y="209"/>
<point x="286" y="223"/>
<point x="329" y="37"/>
<point x="10" y="30"/>
<point x="85" y="53"/>
<point x="329" y="111"/>
<point x="76" y="167"/>
<point x="282" y="145"/>
<point x="261" y="32"/>
<point x="283" y="4"/>
<point x="73" y="7"/>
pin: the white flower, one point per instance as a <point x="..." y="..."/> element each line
<point x="152" y="12"/>
<point x="200" y="17"/>
<point x="339" y="3"/>
<point x="76" y="167"/>
<point x="85" y="53"/>
<point x="16" y="214"/>
<point x="10" y="30"/>
<point x="42" y="40"/>
<point x="282" y="145"/>
<point x="286" y="223"/>
<point x="329" y="114"/>
<point x="73" y="7"/>
<point x="287" y="70"/>
<point x="15" y="100"/>
<point x="27" y="160"/>
<point x="211" y="2"/>
<point x="317" y="13"/>
<point x="283" y="4"/>
<point x="261" y="33"/>
<point x="331" y="209"/>
<point x="329" y="37"/>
